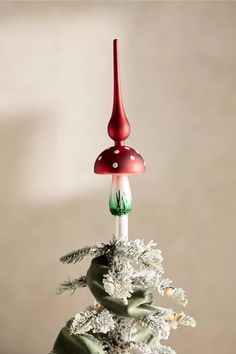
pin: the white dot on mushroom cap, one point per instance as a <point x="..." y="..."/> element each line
<point x="127" y="148"/>
<point x="116" y="151"/>
<point x="144" y="163"/>
<point x="132" y="157"/>
<point x="115" y="165"/>
<point x="99" y="158"/>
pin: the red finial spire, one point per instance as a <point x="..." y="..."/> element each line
<point x="118" y="126"/>
<point x="119" y="159"/>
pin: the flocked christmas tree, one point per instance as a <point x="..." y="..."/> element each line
<point x="123" y="273"/>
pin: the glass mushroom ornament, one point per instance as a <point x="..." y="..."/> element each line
<point x="123" y="273"/>
<point x="119" y="160"/>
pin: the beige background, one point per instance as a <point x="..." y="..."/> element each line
<point x="178" y="67"/>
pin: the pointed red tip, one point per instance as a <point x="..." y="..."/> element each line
<point x="118" y="126"/>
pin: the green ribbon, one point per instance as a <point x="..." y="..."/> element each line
<point x="139" y="305"/>
<point x="82" y="344"/>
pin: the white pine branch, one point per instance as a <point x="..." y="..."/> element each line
<point x="71" y="285"/>
<point x="76" y="256"/>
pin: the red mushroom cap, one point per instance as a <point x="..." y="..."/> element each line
<point x="118" y="160"/>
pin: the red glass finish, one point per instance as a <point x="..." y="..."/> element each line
<point x="119" y="159"/>
<point x="118" y="126"/>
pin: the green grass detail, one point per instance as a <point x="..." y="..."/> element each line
<point x="120" y="205"/>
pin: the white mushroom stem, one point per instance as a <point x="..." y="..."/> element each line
<point x="121" y="227"/>
<point x="120" y="203"/>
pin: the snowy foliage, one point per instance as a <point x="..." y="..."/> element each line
<point x="72" y="285"/>
<point x="97" y="320"/>
<point x="158" y="323"/>
<point x="132" y="265"/>
<point x="76" y="256"/>
<point x="118" y="281"/>
<point x="142" y="348"/>
<point x="147" y="271"/>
